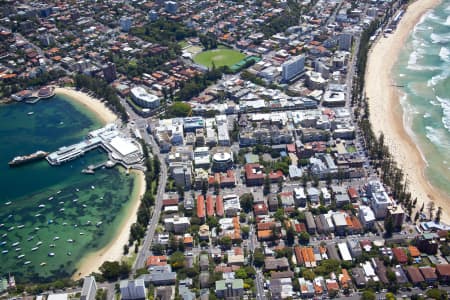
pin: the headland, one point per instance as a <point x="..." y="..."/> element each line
<point x="386" y="113"/>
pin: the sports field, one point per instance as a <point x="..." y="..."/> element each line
<point x="220" y="57"/>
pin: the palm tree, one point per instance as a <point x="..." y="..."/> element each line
<point x="430" y="208"/>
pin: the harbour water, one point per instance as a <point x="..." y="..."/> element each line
<point x="50" y="217"/>
<point x="423" y="69"/>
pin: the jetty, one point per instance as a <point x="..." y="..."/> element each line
<point x="121" y="150"/>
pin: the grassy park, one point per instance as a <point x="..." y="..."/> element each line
<point x="220" y="57"/>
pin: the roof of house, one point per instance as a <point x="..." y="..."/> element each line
<point x="156" y="260"/>
<point x="413" y="251"/>
<point x="400" y="255"/>
<point x="200" y="206"/>
<point x="414" y="274"/>
<point x="428" y="273"/>
<point x="443" y="269"/>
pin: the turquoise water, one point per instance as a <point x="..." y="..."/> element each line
<point x="424" y="69"/>
<point x="54" y="210"/>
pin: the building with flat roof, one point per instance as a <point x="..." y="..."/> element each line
<point x="345" y="253"/>
<point x="292" y="67"/>
<point x="230" y="289"/>
<point x="89" y="289"/>
<point x="144" y="99"/>
<point x="133" y="289"/>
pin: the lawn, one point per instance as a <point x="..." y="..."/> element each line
<point x="220" y="57"/>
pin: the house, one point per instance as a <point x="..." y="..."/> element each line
<point x="344" y="279"/>
<point x="306" y="288"/>
<point x="359" y="277"/>
<point x="345" y="253"/>
<point x="276" y="264"/>
<point x="332" y="252"/>
<point x="428" y="242"/>
<point x="310" y="222"/>
<point x="355" y="247"/>
<point x="254" y="174"/>
<point x="313" y="195"/>
<point x="443" y="272"/>
<point x="366" y="216"/>
<point x="155" y="260"/>
<point x="414" y="275"/>
<point x="400" y="255"/>
<point x="177" y="224"/>
<point x="429" y="274"/>
<point x="281" y="288"/>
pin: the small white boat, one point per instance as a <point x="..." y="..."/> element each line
<point x="36" y="228"/>
<point x="52" y="245"/>
<point x="8" y="203"/>
<point x="99" y="223"/>
<point x="77" y="190"/>
<point x="21" y="256"/>
<point x="30" y="113"/>
<point x="101" y="198"/>
<point x="37" y="215"/>
<point x="61" y="210"/>
<point x="10" y="216"/>
<point x="70" y="241"/>
<point x="42" y="206"/>
<point x="4" y="235"/>
<point x="30" y="238"/>
<point x="75" y="200"/>
<point x="1" y="225"/>
<point x="81" y="233"/>
<point x="11" y="228"/>
<point x="76" y="225"/>
<point x="20" y="226"/>
<point x="27" y="262"/>
<point x="42" y="264"/>
<point x="34" y="248"/>
<point x="64" y="224"/>
<point x="18" y="249"/>
<point x="88" y="223"/>
<point x="3" y="243"/>
<point x="61" y="202"/>
<point x="51" y="254"/>
<point x="56" y="238"/>
<point x="4" y="251"/>
<point x="92" y="187"/>
<point x="50" y="199"/>
<point x="39" y="243"/>
<point x="15" y="244"/>
<point x="58" y="192"/>
<point x="84" y="205"/>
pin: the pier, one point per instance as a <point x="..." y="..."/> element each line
<point x="120" y="149"/>
<point x="33" y="97"/>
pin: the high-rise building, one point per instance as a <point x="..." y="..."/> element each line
<point x="345" y="41"/>
<point x="125" y="24"/>
<point x="292" y="67"/>
<point x="89" y="288"/>
<point x="109" y="72"/>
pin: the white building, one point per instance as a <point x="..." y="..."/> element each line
<point x="366" y="216"/>
<point x="345" y="253"/>
<point x="144" y="99"/>
<point x="177" y="224"/>
<point x="299" y="196"/>
<point x="326" y="196"/>
<point x="89" y="288"/>
<point x="292" y="67"/>
<point x="133" y="289"/>
<point x="380" y="200"/>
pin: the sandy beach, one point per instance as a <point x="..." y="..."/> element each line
<point x="114" y="250"/>
<point x="386" y="114"/>
<point x="94" y="105"/>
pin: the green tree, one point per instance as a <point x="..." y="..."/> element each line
<point x="303" y="238"/>
<point x="177" y="260"/>
<point x="179" y="109"/>
<point x="290" y="235"/>
<point x="368" y="295"/>
<point x="225" y="242"/>
<point x="266" y="188"/>
<point x="246" y="201"/>
<point x="437" y="294"/>
<point x="258" y="258"/>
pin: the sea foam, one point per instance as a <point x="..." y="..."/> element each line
<point x="445" y="105"/>
<point x="444" y="54"/>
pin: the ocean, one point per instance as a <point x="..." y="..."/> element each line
<point x="51" y="217"/>
<point x="423" y="72"/>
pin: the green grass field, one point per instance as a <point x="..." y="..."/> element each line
<point x="220" y="57"/>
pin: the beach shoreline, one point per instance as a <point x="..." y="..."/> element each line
<point x="386" y="112"/>
<point x="113" y="251"/>
<point x="94" y="105"/>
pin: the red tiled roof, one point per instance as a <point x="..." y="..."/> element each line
<point x="400" y="255"/>
<point x="209" y="205"/>
<point x="219" y="205"/>
<point x="200" y="206"/>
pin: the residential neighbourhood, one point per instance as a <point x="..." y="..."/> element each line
<point x="271" y="190"/>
